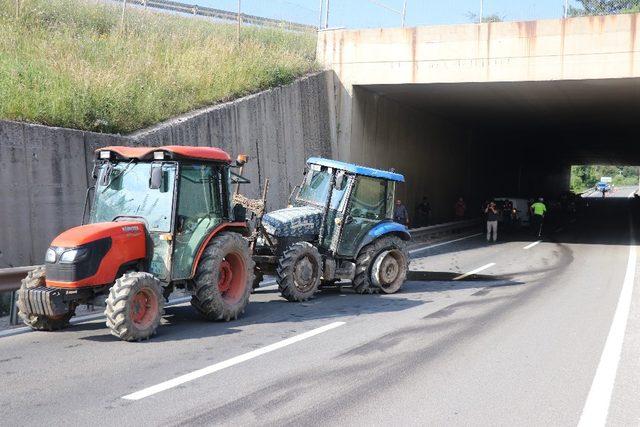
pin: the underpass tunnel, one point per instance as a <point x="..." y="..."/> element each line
<point x="484" y="140"/>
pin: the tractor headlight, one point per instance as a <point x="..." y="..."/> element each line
<point x="72" y="255"/>
<point x="50" y="256"/>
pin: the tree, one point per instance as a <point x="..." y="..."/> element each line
<point x="604" y="7"/>
<point x="494" y="17"/>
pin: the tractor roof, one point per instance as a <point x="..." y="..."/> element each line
<point x="180" y="151"/>
<point x="356" y="169"/>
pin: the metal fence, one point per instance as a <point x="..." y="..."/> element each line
<point x="219" y="14"/>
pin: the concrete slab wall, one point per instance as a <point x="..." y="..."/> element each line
<point x="439" y="159"/>
<point x="45" y="171"/>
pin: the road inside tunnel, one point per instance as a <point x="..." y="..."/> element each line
<point x="480" y="140"/>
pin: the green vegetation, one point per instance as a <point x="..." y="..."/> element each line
<point x="72" y="63"/>
<point x="604" y="7"/>
<point x="584" y="177"/>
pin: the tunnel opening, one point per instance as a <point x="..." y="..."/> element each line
<point x="482" y="140"/>
<point x="605" y="181"/>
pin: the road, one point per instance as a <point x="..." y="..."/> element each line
<point x="622" y="192"/>
<point x="518" y="343"/>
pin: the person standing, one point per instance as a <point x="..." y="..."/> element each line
<point x="492" y="222"/>
<point x="460" y="209"/>
<point x="400" y="214"/>
<point x="423" y="212"/>
<point x="538" y="209"/>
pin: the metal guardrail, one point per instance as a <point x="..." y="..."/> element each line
<point x="10" y="277"/>
<point x="446" y="228"/>
<point x="225" y="15"/>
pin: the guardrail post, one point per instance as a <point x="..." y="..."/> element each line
<point x="13" y="309"/>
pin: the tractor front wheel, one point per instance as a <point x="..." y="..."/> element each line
<point x="299" y="271"/>
<point x="39" y="322"/>
<point x="381" y="266"/>
<point x="224" y="278"/>
<point x="135" y="306"/>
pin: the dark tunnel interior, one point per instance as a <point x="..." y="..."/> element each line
<point x="480" y="140"/>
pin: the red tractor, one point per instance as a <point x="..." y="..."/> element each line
<point x="161" y="218"/>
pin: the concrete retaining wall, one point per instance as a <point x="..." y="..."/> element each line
<point x="45" y="171"/>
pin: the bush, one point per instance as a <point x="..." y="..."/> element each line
<point x="71" y="63"/>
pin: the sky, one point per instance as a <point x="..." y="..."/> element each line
<point x="366" y="14"/>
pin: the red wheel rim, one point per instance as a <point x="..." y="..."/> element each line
<point x="232" y="278"/>
<point x="144" y="308"/>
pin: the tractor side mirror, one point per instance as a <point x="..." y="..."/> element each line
<point x="155" y="179"/>
<point x="105" y="178"/>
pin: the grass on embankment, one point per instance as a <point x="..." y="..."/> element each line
<point x="71" y="63"/>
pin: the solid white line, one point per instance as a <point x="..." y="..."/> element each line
<point x="596" y="407"/>
<point x="477" y="270"/>
<point x="149" y="391"/>
<point x="443" y="243"/>
<point x="530" y="245"/>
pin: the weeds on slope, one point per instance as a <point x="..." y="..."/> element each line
<point x="72" y="63"/>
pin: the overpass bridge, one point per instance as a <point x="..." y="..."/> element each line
<point x="483" y="109"/>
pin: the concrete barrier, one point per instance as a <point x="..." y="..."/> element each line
<point x="44" y="171"/>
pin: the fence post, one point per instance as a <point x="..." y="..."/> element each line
<point x="13" y="309"/>
<point x="239" y="21"/>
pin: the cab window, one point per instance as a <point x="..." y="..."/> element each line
<point x="369" y="199"/>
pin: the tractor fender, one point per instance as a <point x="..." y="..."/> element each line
<point x="383" y="229"/>
<point x="238" y="227"/>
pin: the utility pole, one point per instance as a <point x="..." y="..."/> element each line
<point x="239" y="21"/>
<point x="320" y="17"/>
<point x="326" y="19"/>
<point x="404" y="12"/>
<point x="481" y="10"/>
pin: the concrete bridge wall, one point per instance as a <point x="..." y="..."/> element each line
<point x="45" y="171"/>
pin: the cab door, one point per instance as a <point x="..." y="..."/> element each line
<point x="368" y="205"/>
<point x="337" y="207"/>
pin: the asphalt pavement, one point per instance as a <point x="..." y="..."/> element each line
<point x="520" y="332"/>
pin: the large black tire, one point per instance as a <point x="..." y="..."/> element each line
<point x="39" y="322"/>
<point x="224" y="278"/>
<point x="135" y="306"/>
<point x="299" y="271"/>
<point x="364" y="282"/>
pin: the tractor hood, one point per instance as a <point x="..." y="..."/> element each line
<point x="78" y="236"/>
<point x="94" y="254"/>
<point x="293" y="222"/>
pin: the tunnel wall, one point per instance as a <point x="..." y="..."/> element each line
<point x="439" y="159"/>
<point x="45" y="171"/>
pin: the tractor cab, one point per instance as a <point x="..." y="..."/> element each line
<point x="340" y="213"/>
<point x="161" y="218"/>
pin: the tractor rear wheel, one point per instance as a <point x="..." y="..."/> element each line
<point x="135" y="306"/>
<point x="381" y="266"/>
<point x="299" y="271"/>
<point x="224" y="278"/>
<point x="39" y="322"/>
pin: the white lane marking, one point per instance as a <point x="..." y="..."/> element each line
<point x="530" y="245"/>
<point x="149" y="391"/>
<point x="413" y="251"/>
<point x="474" y="271"/>
<point x="596" y="408"/>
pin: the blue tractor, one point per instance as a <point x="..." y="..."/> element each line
<point x="339" y="226"/>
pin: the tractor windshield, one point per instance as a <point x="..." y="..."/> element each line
<point x="126" y="192"/>
<point x="315" y="187"/>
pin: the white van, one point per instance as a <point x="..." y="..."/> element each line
<point x="521" y="207"/>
